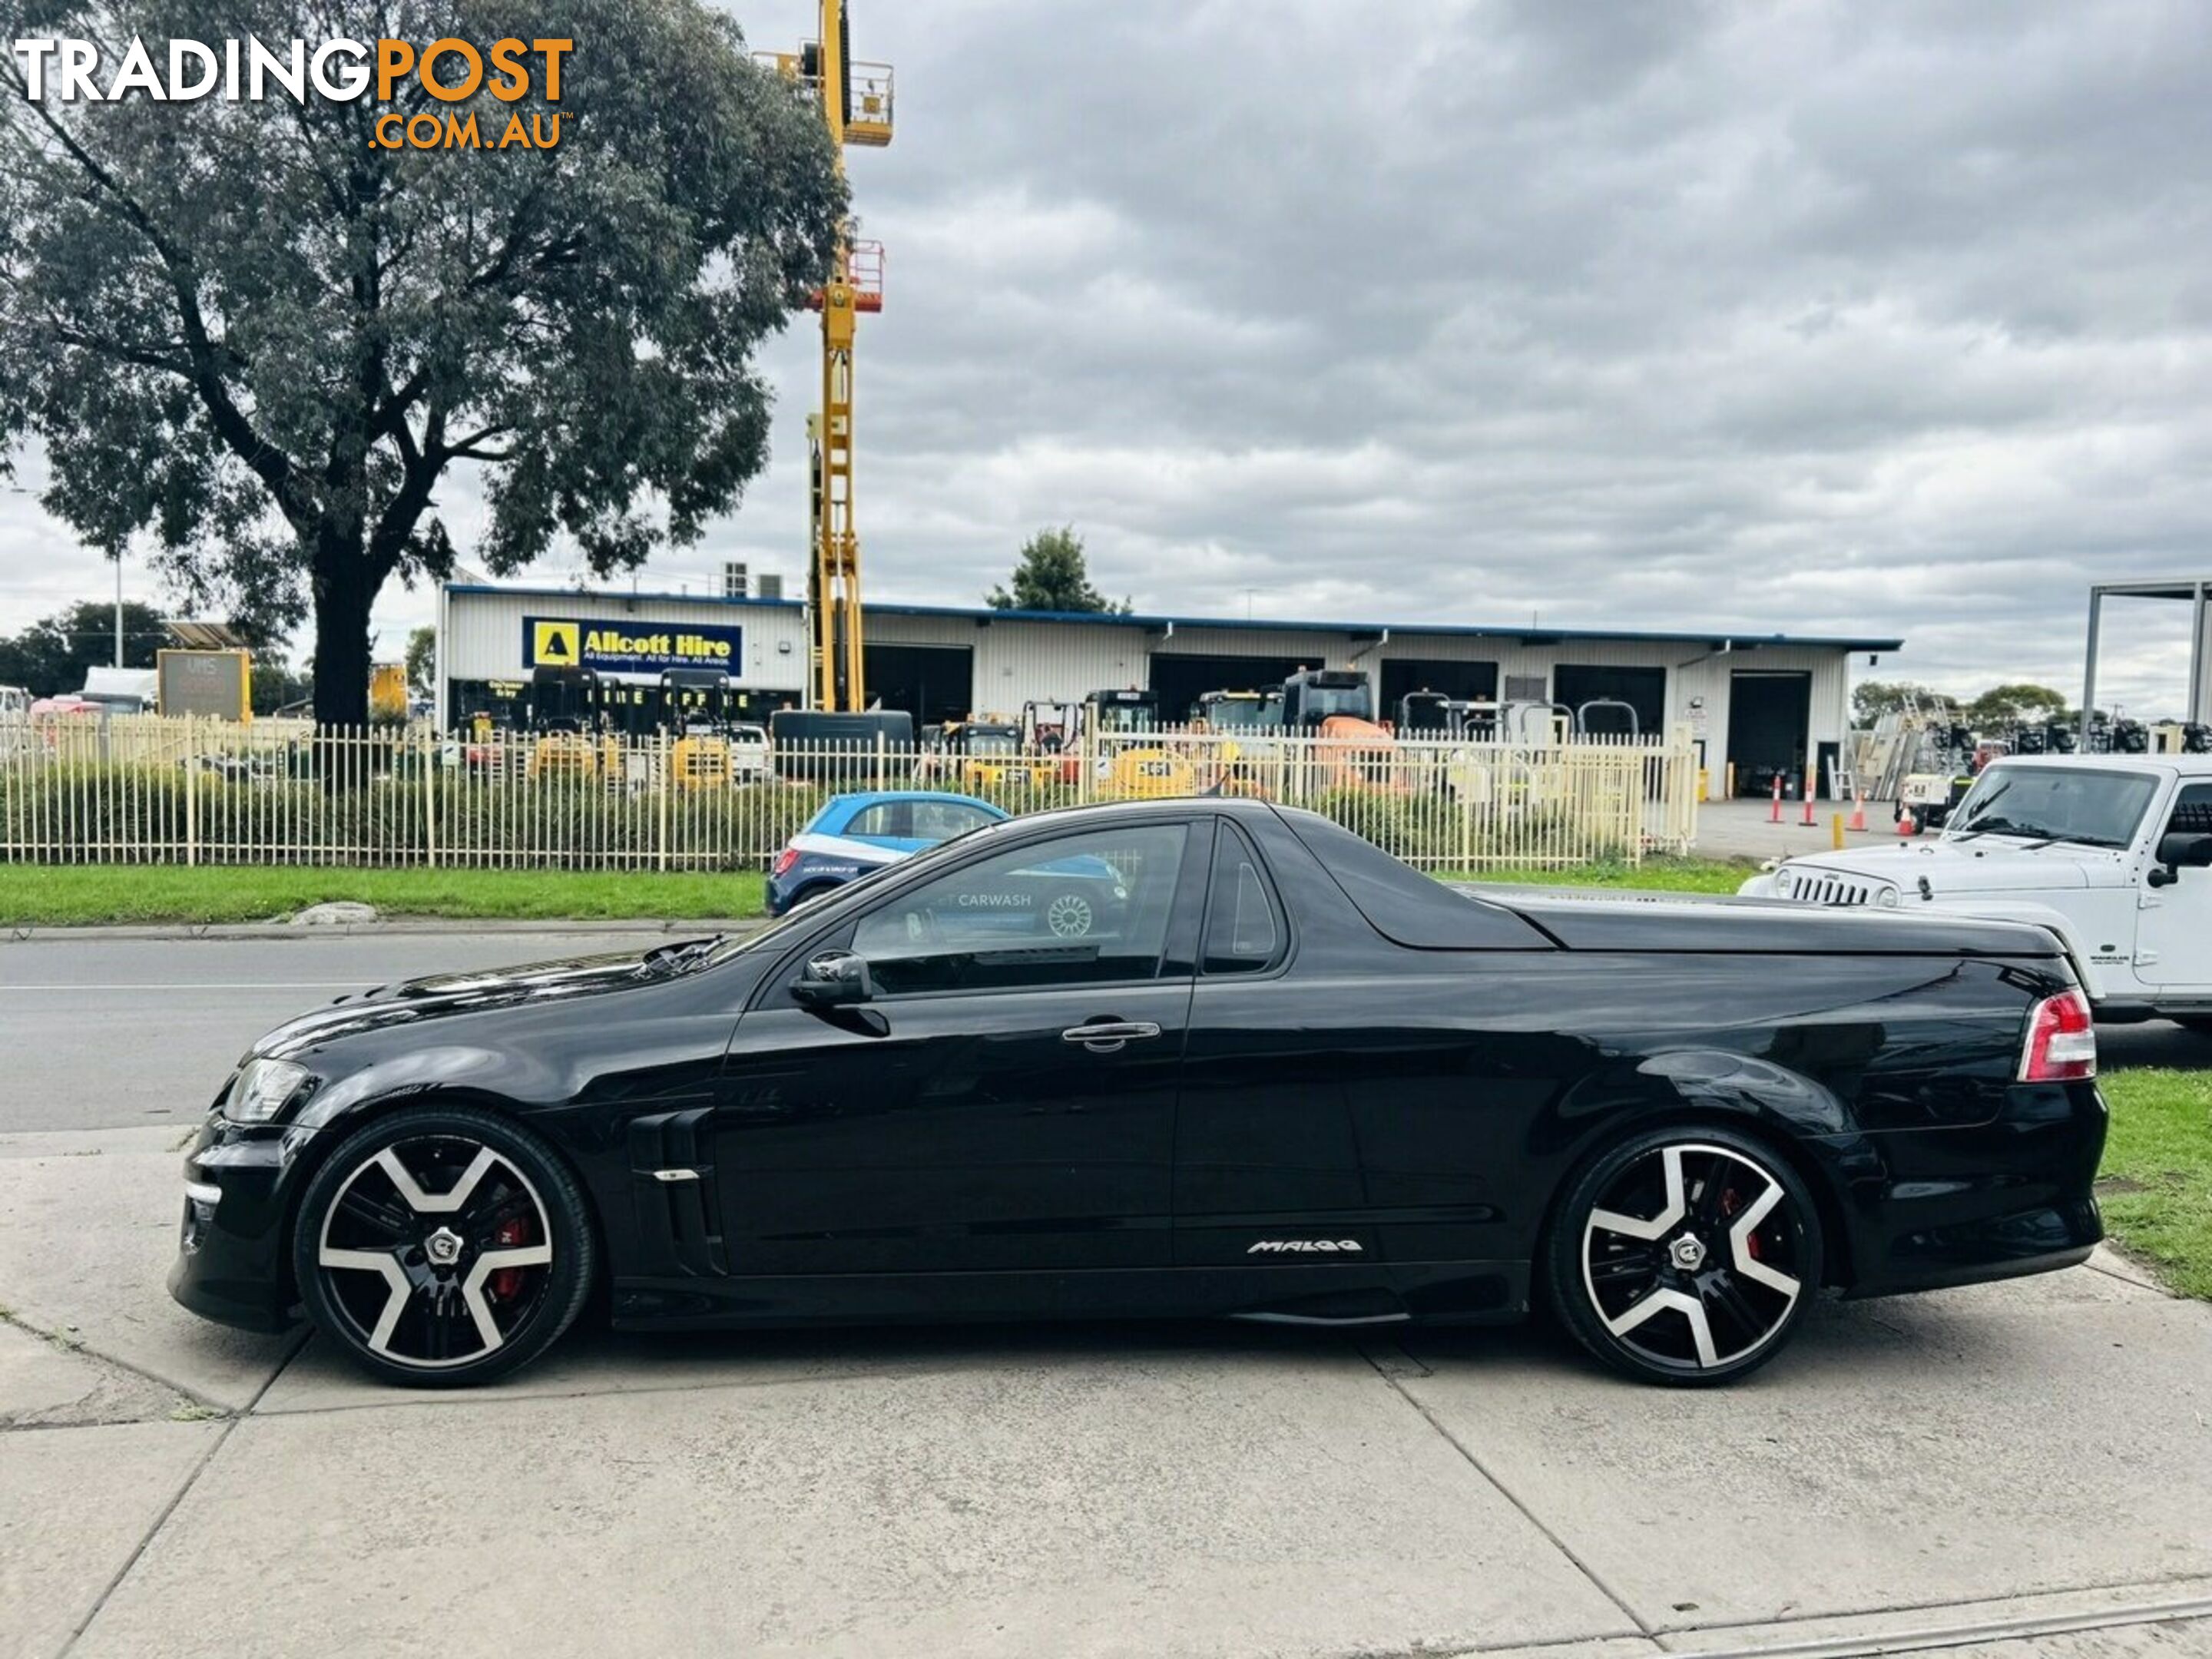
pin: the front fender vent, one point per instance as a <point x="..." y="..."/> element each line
<point x="679" y="1228"/>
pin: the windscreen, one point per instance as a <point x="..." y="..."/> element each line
<point x="1127" y="717"/>
<point x="1324" y="701"/>
<point x="1244" y="714"/>
<point x="2091" y="805"/>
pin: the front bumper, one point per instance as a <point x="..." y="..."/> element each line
<point x="233" y="1261"/>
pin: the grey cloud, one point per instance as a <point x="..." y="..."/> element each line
<point x="1886" y="318"/>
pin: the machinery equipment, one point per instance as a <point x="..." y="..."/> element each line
<point x="1126" y="770"/>
<point x="1242" y="711"/>
<point x="849" y="750"/>
<point x="387" y="691"/>
<point x="1055" y="728"/>
<point x="856" y="106"/>
<point x="987" y="754"/>
<point x="1313" y="697"/>
<point x="1112" y="712"/>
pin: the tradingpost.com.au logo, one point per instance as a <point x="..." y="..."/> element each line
<point x="451" y="71"/>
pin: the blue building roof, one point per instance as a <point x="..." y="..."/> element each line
<point x="983" y="616"/>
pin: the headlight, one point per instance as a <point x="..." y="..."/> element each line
<point x="265" y="1088"/>
<point x="1887" y="898"/>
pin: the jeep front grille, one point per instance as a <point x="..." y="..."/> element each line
<point x="1830" y="889"/>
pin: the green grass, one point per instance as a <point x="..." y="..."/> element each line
<point x="67" y="896"/>
<point x="2156" y="1183"/>
<point x="1663" y="874"/>
<point x="81" y="896"/>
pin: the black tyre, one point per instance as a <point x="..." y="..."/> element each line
<point x="1685" y="1256"/>
<point x="443" y="1245"/>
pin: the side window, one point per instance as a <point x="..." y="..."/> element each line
<point x="941" y="820"/>
<point x="2192" y="811"/>
<point x="884" y="818"/>
<point x="1243" y="923"/>
<point x="1075" y="910"/>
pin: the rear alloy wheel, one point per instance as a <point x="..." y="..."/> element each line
<point x="1685" y="1257"/>
<point x="443" y="1245"/>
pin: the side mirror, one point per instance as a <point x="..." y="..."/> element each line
<point x="2180" y="850"/>
<point x="835" y="978"/>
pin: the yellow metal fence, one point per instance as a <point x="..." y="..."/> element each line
<point x="147" y="790"/>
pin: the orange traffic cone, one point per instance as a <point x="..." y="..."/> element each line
<point x="1775" y="816"/>
<point x="1858" y="814"/>
<point x="1906" y="823"/>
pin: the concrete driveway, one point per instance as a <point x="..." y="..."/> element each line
<point x="2009" y="1471"/>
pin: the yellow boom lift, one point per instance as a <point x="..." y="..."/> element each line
<point x="856" y="103"/>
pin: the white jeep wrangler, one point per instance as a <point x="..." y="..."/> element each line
<point x="2112" y="853"/>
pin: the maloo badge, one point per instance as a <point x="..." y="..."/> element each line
<point x="1280" y="1246"/>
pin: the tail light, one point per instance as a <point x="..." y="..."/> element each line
<point x="2062" y="1041"/>
<point x="784" y="860"/>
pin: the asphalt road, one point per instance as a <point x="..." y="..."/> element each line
<point x="108" y="1034"/>
<point x="113" y="1034"/>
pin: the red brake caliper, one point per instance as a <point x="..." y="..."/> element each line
<point x="1729" y="1205"/>
<point x="507" y="1281"/>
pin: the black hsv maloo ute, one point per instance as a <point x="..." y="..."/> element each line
<point x="1284" y="1077"/>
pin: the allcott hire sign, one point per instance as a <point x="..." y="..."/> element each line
<point x="617" y="648"/>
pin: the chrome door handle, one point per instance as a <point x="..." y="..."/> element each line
<point x="1109" y="1036"/>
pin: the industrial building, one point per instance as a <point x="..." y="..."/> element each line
<point x="1766" y="702"/>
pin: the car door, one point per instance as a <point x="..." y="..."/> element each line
<point x="2174" y="922"/>
<point x="1267" y="1167"/>
<point x="1004" y="1100"/>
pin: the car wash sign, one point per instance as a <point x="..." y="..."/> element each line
<point x="630" y="647"/>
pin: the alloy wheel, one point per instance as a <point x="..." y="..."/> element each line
<point x="435" y="1250"/>
<point x="1069" y="916"/>
<point x="1694" y="1256"/>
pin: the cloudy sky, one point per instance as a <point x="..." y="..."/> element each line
<point x="1850" y="318"/>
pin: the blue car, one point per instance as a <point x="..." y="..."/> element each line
<point x="855" y="834"/>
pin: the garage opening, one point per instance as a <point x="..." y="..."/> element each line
<point x="1181" y="680"/>
<point x="1462" y="682"/>
<point x="1770" y="720"/>
<point x="1643" y="689"/>
<point x="932" y="682"/>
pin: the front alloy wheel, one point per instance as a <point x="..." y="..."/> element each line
<point x="1685" y="1257"/>
<point x="443" y="1245"/>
